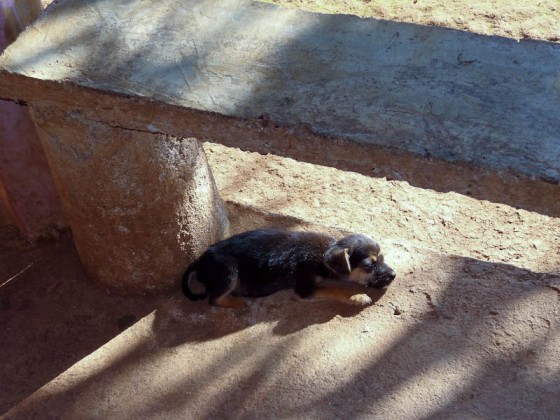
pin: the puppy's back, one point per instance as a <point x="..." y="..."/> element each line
<point x="274" y="244"/>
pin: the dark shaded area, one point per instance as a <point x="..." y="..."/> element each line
<point x="459" y="309"/>
<point x="478" y="301"/>
<point x="51" y="314"/>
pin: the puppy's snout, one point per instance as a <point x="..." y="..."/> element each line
<point x="385" y="279"/>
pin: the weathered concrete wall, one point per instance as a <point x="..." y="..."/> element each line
<point x="436" y="92"/>
<point x="141" y="206"/>
<point x="30" y="194"/>
<point x="263" y="136"/>
<point x="28" y="197"/>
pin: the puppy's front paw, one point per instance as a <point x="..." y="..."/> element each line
<point x="361" y="299"/>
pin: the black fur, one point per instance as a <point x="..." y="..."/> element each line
<point x="262" y="262"/>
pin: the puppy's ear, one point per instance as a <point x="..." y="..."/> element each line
<point x="338" y="260"/>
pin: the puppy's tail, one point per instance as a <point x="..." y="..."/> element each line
<point x="188" y="278"/>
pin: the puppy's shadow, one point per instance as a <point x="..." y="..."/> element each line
<point x="181" y="321"/>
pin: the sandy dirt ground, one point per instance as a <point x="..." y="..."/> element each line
<point x="516" y="19"/>
<point x="449" y="223"/>
<point x="470" y="329"/>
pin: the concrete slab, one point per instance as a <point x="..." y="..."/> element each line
<point x="432" y="91"/>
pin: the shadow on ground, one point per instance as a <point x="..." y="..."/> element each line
<point x="454" y="336"/>
<point x="51" y="315"/>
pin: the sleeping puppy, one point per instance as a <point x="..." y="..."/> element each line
<point x="262" y="262"/>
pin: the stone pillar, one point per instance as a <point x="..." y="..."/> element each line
<point x="141" y="205"/>
<point x="28" y="198"/>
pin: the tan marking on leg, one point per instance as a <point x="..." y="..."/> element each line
<point x="227" y="301"/>
<point x="341" y="294"/>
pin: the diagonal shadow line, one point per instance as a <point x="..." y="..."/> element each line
<point x="130" y="355"/>
<point x="419" y="351"/>
<point x="469" y="315"/>
<point x="52" y="316"/>
<point x="484" y="390"/>
<point x="406" y="342"/>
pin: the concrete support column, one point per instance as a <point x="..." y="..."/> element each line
<point x="141" y="205"/>
<point x="28" y="198"/>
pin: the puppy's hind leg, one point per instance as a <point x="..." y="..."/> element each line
<point x="225" y="277"/>
<point x="228" y="301"/>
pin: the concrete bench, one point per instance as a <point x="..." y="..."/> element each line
<point x="114" y="88"/>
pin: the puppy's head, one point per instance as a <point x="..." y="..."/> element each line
<point x="358" y="258"/>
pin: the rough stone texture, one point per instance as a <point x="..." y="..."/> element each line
<point x="28" y="197"/>
<point x="141" y="206"/>
<point x="432" y="91"/>
<point x="262" y="134"/>
<point x="455" y="337"/>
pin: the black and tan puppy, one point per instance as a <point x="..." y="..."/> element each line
<point x="262" y="262"/>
